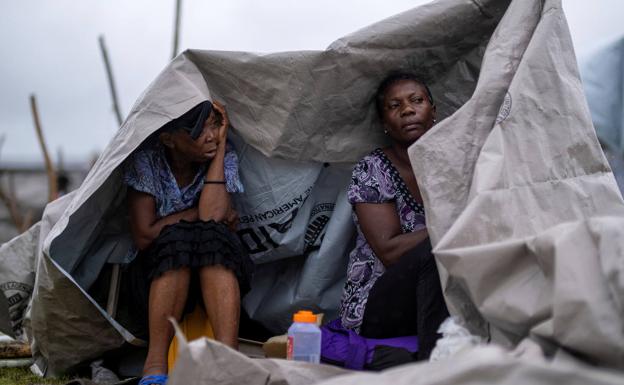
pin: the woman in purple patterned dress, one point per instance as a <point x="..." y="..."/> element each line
<point x="392" y="286"/>
<point x="182" y="222"/>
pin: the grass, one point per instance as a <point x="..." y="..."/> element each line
<point x="23" y="376"/>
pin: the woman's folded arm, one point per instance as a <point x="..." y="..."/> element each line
<point x="144" y="224"/>
<point x="381" y="227"/>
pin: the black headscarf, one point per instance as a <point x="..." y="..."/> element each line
<point x="193" y="120"/>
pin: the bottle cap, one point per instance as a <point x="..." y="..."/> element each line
<point x="304" y="316"/>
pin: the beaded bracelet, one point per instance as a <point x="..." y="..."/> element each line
<point x="214" y="181"/>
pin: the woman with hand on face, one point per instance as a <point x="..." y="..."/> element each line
<point x="182" y="223"/>
<point x="392" y="286"/>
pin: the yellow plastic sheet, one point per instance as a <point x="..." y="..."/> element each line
<point x="194" y="326"/>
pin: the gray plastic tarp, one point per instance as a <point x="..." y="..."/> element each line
<point x="292" y="113"/>
<point x="17" y="274"/>
<point x="207" y="362"/>
<point x="526" y="219"/>
<point x="514" y="183"/>
<point x="512" y="180"/>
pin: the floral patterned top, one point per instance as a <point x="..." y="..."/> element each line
<point x="147" y="170"/>
<point x="374" y="180"/>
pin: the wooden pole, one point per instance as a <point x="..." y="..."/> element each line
<point x="60" y="165"/>
<point x="27" y="221"/>
<point x="14" y="349"/>
<point x="14" y="212"/>
<point x="52" y="190"/>
<point x="111" y="80"/>
<point x="176" y="29"/>
<point x="8" y="198"/>
<point x="24" y="219"/>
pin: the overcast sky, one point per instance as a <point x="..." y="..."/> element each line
<point x="50" y="49"/>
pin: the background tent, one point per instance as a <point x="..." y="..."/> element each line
<point x="603" y="79"/>
<point x="512" y="180"/>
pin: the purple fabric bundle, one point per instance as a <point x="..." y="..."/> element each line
<point x="344" y="347"/>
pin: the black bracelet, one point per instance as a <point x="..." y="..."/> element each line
<point x="214" y="181"/>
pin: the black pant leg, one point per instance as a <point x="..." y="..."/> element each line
<point x="432" y="309"/>
<point x="407" y="300"/>
<point x="391" y="309"/>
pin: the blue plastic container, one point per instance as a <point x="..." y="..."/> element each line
<point x="304" y="338"/>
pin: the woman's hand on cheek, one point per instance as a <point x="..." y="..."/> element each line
<point x="225" y="122"/>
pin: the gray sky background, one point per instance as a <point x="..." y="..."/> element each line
<point x="50" y="48"/>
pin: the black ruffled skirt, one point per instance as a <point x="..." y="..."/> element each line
<point x="197" y="244"/>
<point x="194" y="245"/>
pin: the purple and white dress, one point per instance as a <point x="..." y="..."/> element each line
<point x="374" y="180"/>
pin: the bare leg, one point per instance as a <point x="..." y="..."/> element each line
<point x="221" y="295"/>
<point x="167" y="298"/>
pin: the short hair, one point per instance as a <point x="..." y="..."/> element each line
<point x="392" y="78"/>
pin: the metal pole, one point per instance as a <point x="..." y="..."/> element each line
<point x="176" y="29"/>
<point x="111" y="80"/>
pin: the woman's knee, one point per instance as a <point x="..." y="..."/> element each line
<point x="217" y="273"/>
<point x="180" y="274"/>
<point x="219" y="269"/>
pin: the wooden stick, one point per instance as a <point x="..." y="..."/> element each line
<point x="19" y="218"/>
<point x="21" y="222"/>
<point x="27" y="221"/>
<point x="11" y="181"/>
<point x="60" y="164"/>
<point x="111" y="80"/>
<point x="14" y="349"/>
<point x="52" y="190"/>
<point x="176" y="29"/>
<point x="14" y="213"/>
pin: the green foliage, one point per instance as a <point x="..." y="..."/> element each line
<point x="23" y="376"/>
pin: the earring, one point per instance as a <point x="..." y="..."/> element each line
<point x="386" y="132"/>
